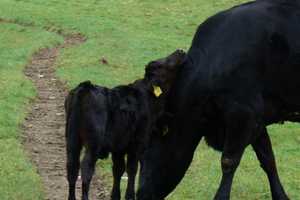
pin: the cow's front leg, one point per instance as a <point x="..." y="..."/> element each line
<point x="131" y="168"/>
<point x="263" y="149"/>
<point x="229" y="165"/>
<point x="240" y="126"/>
<point x="118" y="171"/>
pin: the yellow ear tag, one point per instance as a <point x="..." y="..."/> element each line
<point x="165" y="131"/>
<point x="157" y="90"/>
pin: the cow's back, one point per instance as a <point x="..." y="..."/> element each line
<point x="250" y="49"/>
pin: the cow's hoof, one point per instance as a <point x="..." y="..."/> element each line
<point x="281" y="197"/>
<point x="222" y="197"/>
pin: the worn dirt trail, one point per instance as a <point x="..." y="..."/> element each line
<point x="43" y="130"/>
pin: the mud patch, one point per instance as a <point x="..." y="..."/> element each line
<point x="43" y="129"/>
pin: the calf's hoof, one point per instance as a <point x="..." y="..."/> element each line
<point x="130" y="198"/>
<point x="115" y="197"/>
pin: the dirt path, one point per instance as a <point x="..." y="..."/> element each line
<point x="43" y="130"/>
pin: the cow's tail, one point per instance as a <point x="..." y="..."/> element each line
<point x="73" y="119"/>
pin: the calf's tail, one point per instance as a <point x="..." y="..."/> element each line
<point x="73" y="140"/>
<point x="73" y="104"/>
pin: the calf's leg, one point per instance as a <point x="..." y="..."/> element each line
<point x="118" y="171"/>
<point x="87" y="171"/>
<point x="263" y="149"/>
<point x="73" y="164"/>
<point x="131" y="168"/>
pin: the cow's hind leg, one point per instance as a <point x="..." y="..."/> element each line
<point x="240" y="125"/>
<point x="73" y="164"/>
<point x="264" y="152"/>
<point x="118" y="171"/>
<point x="131" y="168"/>
<point x="87" y="171"/>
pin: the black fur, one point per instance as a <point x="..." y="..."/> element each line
<point x="117" y="121"/>
<point x="241" y="75"/>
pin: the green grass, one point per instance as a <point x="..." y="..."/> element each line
<point x="128" y="34"/>
<point x="19" y="180"/>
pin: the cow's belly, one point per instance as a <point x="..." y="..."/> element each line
<point x="284" y="83"/>
<point x="277" y="111"/>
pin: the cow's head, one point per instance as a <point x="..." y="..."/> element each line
<point x="166" y="160"/>
<point x="169" y="154"/>
<point x="162" y="72"/>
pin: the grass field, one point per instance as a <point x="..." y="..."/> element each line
<point x="19" y="180"/>
<point x="128" y="34"/>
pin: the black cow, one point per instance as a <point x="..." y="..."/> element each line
<point x="242" y="74"/>
<point x="117" y="120"/>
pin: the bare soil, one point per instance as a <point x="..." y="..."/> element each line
<point x="44" y="127"/>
